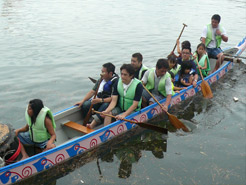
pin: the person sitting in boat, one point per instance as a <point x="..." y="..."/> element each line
<point x="139" y="67"/>
<point x="212" y="36"/>
<point x="40" y="128"/>
<point x="103" y="98"/>
<point x="202" y="59"/>
<point x="127" y="95"/>
<point x="185" y="74"/>
<point x="175" y="88"/>
<point x="174" y="67"/>
<point x="158" y="82"/>
<point x="184" y="44"/>
<point x="186" y="52"/>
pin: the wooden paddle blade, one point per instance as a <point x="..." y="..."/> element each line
<point x="206" y="90"/>
<point x="93" y="80"/>
<point x="177" y="123"/>
<point x="153" y="127"/>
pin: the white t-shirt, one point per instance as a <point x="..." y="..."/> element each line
<point x="212" y="44"/>
<point x="101" y="86"/>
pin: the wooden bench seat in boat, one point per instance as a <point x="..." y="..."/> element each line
<point x="78" y="127"/>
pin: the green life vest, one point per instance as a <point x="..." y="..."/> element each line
<point x="38" y="131"/>
<point x="143" y="68"/>
<point x="202" y="63"/>
<point x="161" y="86"/>
<point x="210" y="37"/>
<point x="175" y="71"/>
<point x="126" y="101"/>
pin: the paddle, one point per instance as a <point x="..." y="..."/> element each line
<point x="93" y="80"/>
<point x="89" y="112"/>
<point x="234" y="56"/>
<point x="173" y="119"/>
<point x="206" y="90"/>
<point x="141" y="124"/>
<point x="179" y="36"/>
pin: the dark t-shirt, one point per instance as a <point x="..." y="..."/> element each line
<point x="138" y="92"/>
<point x="136" y="74"/>
<point x="194" y="71"/>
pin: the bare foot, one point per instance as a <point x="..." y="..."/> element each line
<point x="88" y="126"/>
<point x="24" y="157"/>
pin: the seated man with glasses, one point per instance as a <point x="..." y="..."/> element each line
<point x="186" y="53"/>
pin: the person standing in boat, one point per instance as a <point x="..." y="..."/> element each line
<point x="186" y="52"/>
<point x="103" y="98"/>
<point x="40" y="128"/>
<point x="138" y="65"/>
<point x="127" y="95"/>
<point x="212" y="36"/>
<point x="158" y="82"/>
<point x="202" y="58"/>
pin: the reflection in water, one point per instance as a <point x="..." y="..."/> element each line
<point x="129" y="151"/>
<point x="126" y="148"/>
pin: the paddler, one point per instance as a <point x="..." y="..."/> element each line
<point x="158" y="81"/>
<point x="212" y="35"/>
<point x="100" y="103"/>
<point x="127" y="95"/>
<point x="139" y="67"/>
<point x="186" y="52"/>
<point x="40" y="128"/>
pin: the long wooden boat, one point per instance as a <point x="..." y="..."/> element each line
<point x="71" y="141"/>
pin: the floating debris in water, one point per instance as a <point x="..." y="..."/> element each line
<point x="235" y="99"/>
<point x="203" y="153"/>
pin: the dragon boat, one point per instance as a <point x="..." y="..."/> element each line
<point x="74" y="139"/>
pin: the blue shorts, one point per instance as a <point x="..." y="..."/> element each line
<point x="25" y="139"/>
<point x="213" y="52"/>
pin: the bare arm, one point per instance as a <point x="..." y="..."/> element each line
<point x="168" y="100"/>
<point x="203" y="40"/>
<point x="195" y="80"/>
<point x="179" y="88"/>
<point x="129" y="111"/>
<point x="205" y="64"/>
<point x="23" y="129"/>
<point x="100" y="100"/>
<point x="87" y="97"/>
<point x="224" y="38"/>
<point x="112" y="104"/>
<point x="178" y="47"/>
<point x="49" y="127"/>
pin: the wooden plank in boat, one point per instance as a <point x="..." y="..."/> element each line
<point x="78" y="127"/>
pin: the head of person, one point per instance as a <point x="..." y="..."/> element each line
<point x="161" y="67"/>
<point x="186" y="67"/>
<point x="186" y="52"/>
<point x="34" y="108"/>
<point x="186" y="44"/>
<point x="201" y="49"/>
<point x="215" y="20"/>
<point x="108" y="70"/>
<point x="172" y="75"/>
<point x="172" y="61"/>
<point x="127" y="73"/>
<point x="136" y="60"/>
